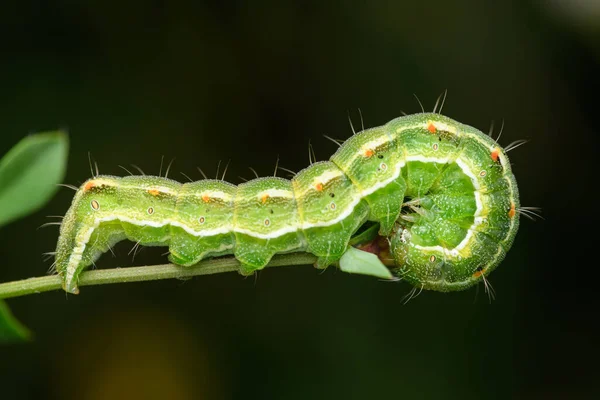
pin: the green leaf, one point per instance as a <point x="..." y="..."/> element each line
<point x="356" y="261"/>
<point x="11" y="330"/>
<point x="29" y="173"/>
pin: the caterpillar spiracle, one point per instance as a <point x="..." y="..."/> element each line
<point x="442" y="193"/>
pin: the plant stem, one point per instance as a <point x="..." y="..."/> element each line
<point x="146" y="273"/>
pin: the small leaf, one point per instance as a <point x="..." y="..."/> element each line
<point x="29" y="173"/>
<point x="11" y="330"/>
<point x="356" y="261"/>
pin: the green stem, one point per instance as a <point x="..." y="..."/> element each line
<point x="146" y="273"/>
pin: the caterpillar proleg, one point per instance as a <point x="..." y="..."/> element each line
<point x="442" y="192"/>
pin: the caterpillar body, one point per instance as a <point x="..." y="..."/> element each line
<point x="442" y="193"/>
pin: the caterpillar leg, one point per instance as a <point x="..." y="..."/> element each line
<point x="385" y="205"/>
<point x="187" y="250"/>
<point x="92" y="247"/>
<point x="329" y="243"/>
<point x="255" y="253"/>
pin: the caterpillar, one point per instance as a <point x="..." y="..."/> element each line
<point x="442" y="193"/>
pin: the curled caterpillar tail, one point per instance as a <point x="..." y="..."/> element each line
<point x="442" y="192"/>
<point x="459" y="217"/>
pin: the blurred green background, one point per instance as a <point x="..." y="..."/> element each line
<point x="250" y="81"/>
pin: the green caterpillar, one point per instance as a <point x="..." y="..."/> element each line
<point x="442" y="193"/>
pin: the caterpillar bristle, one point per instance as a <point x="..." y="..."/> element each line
<point x="218" y="168"/>
<point x="162" y="158"/>
<point x="311" y="154"/>
<point x="411" y="294"/>
<point x="514" y="145"/>
<point x="125" y="169"/>
<point x="254" y="171"/>
<point x="444" y="94"/>
<point x="52" y="269"/>
<point x="530" y="212"/>
<point x="225" y="170"/>
<point x="190" y="179"/>
<point x="337" y="142"/>
<point x="169" y="167"/>
<point x="139" y="169"/>
<point x="202" y="173"/>
<point x="111" y="251"/>
<point x="491" y="130"/>
<point x="47" y="224"/>
<point x="489" y="289"/>
<point x="362" y="122"/>
<point x="72" y="187"/>
<point x="393" y="279"/>
<point x="134" y="249"/>
<point x="95" y="164"/>
<point x="287" y="170"/>
<point x="420" y="104"/>
<point x="500" y="133"/>
<point x="276" y="165"/>
<point x="350" y="122"/>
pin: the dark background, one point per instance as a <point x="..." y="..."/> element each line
<point x="250" y="81"/>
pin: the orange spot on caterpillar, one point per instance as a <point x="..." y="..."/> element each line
<point x="205" y="198"/>
<point x="431" y="127"/>
<point x="495" y="154"/>
<point x="154" y="192"/>
<point x="89" y="185"/>
<point x="319" y="187"/>
<point x="478" y="272"/>
<point x="512" y="211"/>
<point x="369" y="153"/>
<point x="264" y="198"/>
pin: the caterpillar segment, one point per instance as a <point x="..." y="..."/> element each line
<point x="442" y="192"/>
